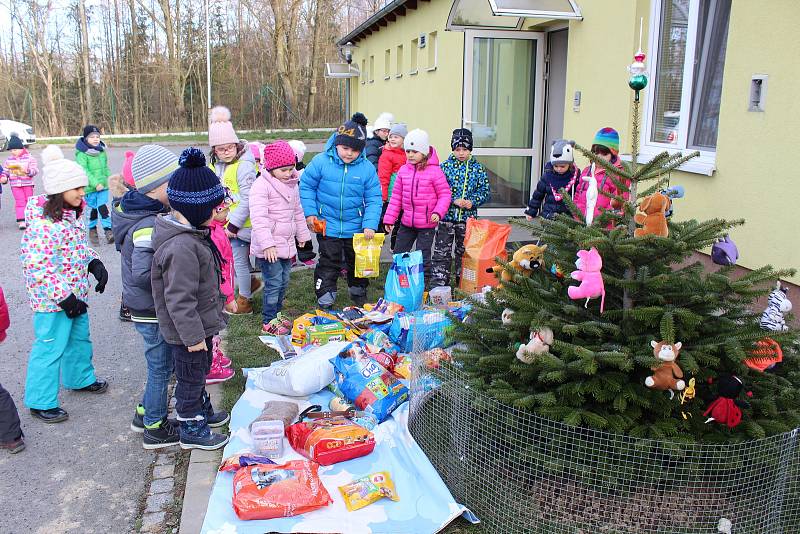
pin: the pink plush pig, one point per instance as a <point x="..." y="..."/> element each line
<point x="589" y="264"/>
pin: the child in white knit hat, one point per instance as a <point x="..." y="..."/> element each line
<point x="57" y="262"/>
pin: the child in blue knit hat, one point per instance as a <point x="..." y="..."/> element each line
<point x="188" y="301"/>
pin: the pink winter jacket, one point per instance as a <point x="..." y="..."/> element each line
<point x="223" y="244"/>
<point x="603" y="184"/>
<point x="20" y="170"/>
<point x="420" y="194"/>
<point x="277" y="216"/>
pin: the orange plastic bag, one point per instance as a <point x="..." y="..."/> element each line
<point x="483" y="241"/>
<point x="265" y="491"/>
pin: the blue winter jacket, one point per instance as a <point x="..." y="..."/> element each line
<point x="347" y="196"/>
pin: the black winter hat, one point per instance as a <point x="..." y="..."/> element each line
<point x="353" y="133"/>
<point x="461" y="138"/>
<point x="89" y="129"/>
<point x="194" y="190"/>
<point x="15" y="143"/>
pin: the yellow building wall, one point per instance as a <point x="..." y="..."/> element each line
<point x="754" y="177"/>
<point x="430" y="100"/>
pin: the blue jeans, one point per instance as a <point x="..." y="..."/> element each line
<point x="158" y="356"/>
<point x="276" y="280"/>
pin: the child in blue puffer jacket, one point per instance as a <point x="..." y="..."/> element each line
<point x="340" y="189"/>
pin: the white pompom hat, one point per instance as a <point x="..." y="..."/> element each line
<point x="60" y="174"/>
<point x="299" y="148"/>
<point x="418" y="140"/>
<point x="384" y="121"/>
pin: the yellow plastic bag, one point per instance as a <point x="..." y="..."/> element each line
<point x="368" y="255"/>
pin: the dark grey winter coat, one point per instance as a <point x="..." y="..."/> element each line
<point x="186" y="283"/>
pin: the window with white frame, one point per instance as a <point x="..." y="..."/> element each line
<point x="371" y="69"/>
<point x="399" y="70"/>
<point x="414" y="56"/>
<point x="433" y="50"/>
<point x="690" y="38"/>
<point x="387" y="63"/>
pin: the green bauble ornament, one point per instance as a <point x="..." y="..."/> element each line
<point x="637" y="82"/>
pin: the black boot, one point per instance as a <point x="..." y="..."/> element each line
<point x="99" y="386"/>
<point x="53" y="415"/>
<point x="214" y="419"/>
<point x="196" y="434"/>
<point x="165" y="434"/>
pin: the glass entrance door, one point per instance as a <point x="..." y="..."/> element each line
<point x="503" y="85"/>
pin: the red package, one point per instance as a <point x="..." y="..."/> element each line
<point x="330" y="440"/>
<point x="265" y="491"/>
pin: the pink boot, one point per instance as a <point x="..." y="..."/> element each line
<point x="218" y="373"/>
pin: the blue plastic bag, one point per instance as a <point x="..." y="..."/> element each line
<point x="367" y="384"/>
<point x="405" y="282"/>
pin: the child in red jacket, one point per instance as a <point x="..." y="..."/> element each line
<point x="10" y="432"/>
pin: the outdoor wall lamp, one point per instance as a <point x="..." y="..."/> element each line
<point x="346" y="52"/>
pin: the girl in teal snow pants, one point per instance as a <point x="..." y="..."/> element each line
<point x="57" y="262"/>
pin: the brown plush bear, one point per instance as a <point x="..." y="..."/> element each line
<point x="524" y="261"/>
<point x="667" y="375"/>
<point x="652" y="215"/>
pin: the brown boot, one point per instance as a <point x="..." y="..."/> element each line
<point x="256" y="285"/>
<point x="94" y="235"/>
<point x="243" y="305"/>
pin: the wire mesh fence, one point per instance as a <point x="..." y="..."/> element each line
<point x="523" y="473"/>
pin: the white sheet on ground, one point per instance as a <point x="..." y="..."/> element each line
<point x="425" y="506"/>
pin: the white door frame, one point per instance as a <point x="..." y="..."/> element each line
<point x="534" y="151"/>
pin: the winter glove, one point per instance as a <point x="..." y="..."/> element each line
<point x="98" y="270"/>
<point x="73" y="306"/>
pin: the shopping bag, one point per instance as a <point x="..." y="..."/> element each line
<point x="483" y="241"/>
<point x="405" y="282"/>
<point x="368" y="255"/>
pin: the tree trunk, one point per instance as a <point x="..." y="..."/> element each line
<point x="87" y="76"/>
<point x="134" y="67"/>
<point x="174" y="61"/>
<point x="311" y="106"/>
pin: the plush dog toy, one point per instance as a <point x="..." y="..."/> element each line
<point x="589" y="264"/>
<point x="524" y="261"/>
<point x="667" y="375"/>
<point x="726" y="409"/>
<point x="539" y="343"/>
<point x="652" y="216"/>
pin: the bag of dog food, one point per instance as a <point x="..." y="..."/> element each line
<point x="369" y="385"/>
<point x="368" y="255"/>
<point x="265" y="491"/>
<point x="329" y="439"/>
<point x="484" y="241"/>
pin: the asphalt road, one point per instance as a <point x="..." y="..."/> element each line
<point x="86" y="474"/>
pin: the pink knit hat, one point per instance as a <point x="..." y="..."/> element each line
<point x="127" y="169"/>
<point x="278" y="154"/>
<point x="220" y="128"/>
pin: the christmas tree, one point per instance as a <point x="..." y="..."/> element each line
<point x="595" y="371"/>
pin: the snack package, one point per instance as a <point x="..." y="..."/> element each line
<point x="433" y="357"/>
<point x="319" y="226"/>
<point x="265" y="491"/>
<point x="243" y="459"/>
<point x="402" y="366"/>
<point x="368" y="255"/>
<point x="366" y="490"/>
<point x="369" y="385"/>
<point x="299" y="328"/>
<point x="325" y="333"/>
<point x="483" y="242"/>
<point x="267" y="438"/>
<point x="378" y="341"/>
<point x="330" y="440"/>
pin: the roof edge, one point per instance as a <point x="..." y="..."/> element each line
<point x="356" y="34"/>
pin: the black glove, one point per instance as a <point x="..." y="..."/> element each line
<point x="73" y="306"/>
<point x="98" y="270"/>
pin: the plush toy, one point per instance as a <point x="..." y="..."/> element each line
<point x="591" y="195"/>
<point x="588" y="274"/>
<point x="676" y="191"/>
<point x="539" y="343"/>
<point x="726" y="408"/>
<point x="524" y="261"/>
<point x="651" y="214"/>
<point x="766" y="355"/>
<point x="724" y="252"/>
<point x="505" y="317"/>
<point x="667" y="375"/>
<point x="778" y="303"/>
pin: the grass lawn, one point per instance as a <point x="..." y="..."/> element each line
<point x="246" y="350"/>
<point x="250" y="136"/>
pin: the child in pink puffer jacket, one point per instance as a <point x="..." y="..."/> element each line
<point x="277" y="218"/>
<point x="422" y="193"/>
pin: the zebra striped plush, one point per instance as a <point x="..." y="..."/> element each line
<point x="777" y="304"/>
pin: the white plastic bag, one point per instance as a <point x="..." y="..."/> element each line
<point x="302" y="375"/>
